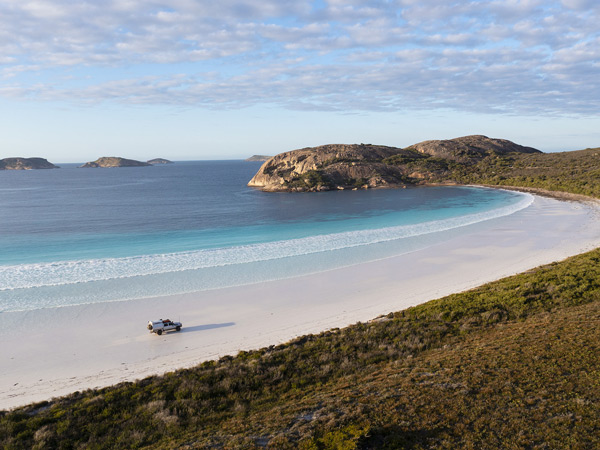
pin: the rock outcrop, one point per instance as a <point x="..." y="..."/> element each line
<point x="159" y="161"/>
<point x="25" y="164"/>
<point x="112" y="161"/>
<point x="355" y="166"/>
<point x="327" y="167"/>
<point x="468" y="149"/>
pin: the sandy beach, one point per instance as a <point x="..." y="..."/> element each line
<point x="52" y="352"/>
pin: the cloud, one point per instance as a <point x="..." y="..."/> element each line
<point x="580" y="5"/>
<point x="509" y="56"/>
<point x="13" y="71"/>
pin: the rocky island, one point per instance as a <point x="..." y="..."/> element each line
<point x="159" y="161"/>
<point x="258" y="158"/>
<point x="355" y="166"/>
<point x="25" y="164"/>
<point x="112" y="161"/>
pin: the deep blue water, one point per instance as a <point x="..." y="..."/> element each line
<point x="71" y="236"/>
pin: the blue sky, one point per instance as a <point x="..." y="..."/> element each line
<point x="195" y="79"/>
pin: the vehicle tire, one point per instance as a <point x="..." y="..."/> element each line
<point x="177" y="328"/>
<point x="159" y="332"/>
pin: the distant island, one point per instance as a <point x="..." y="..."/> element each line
<point x="25" y="164"/>
<point x="112" y="161"/>
<point x="341" y="166"/>
<point x="159" y="161"/>
<point x="258" y="158"/>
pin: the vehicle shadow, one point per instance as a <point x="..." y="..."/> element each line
<point x="206" y="327"/>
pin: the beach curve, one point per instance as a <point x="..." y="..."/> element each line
<point x="56" y="351"/>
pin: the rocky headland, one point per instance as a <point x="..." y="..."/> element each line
<point x="159" y="161"/>
<point x="112" y="161"/>
<point x="25" y="164"/>
<point x="341" y="166"/>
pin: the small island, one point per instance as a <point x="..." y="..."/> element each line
<point x="159" y="161"/>
<point x="25" y="164"/>
<point x="258" y="158"/>
<point x="113" y="161"/>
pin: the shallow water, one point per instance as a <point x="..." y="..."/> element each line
<point x="73" y="236"/>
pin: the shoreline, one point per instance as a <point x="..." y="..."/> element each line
<point x="559" y="195"/>
<point x="58" y="351"/>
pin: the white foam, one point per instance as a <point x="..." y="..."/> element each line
<point x="73" y="272"/>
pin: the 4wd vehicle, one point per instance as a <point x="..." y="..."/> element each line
<point x="163" y="325"/>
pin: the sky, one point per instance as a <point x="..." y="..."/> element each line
<point x="196" y="79"/>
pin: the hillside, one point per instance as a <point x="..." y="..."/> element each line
<point x="371" y="166"/>
<point x="468" y="149"/>
<point x="113" y="161"/>
<point x="25" y="164"/>
<point x="577" y="172"/>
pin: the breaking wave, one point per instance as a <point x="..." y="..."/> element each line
<point x="73" y="272"/>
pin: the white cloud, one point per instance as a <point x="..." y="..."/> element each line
<point x="580" y="4"/>
<point x="334" y="55"/>
<point x="13" y="71"/>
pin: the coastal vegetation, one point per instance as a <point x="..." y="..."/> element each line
<point x="575" y="172"/>
<point x="511" y="364"/>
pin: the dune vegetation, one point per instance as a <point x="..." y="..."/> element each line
<point x="575" y="172"/>
<point x="511" y="364"/>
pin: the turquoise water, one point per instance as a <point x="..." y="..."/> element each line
<point x="73" y="236"/>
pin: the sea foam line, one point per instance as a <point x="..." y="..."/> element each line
<point x="72" y="272"/>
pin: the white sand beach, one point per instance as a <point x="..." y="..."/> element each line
<point x="52" y="352"/>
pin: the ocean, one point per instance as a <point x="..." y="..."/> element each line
<point x="75" y="236"/>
